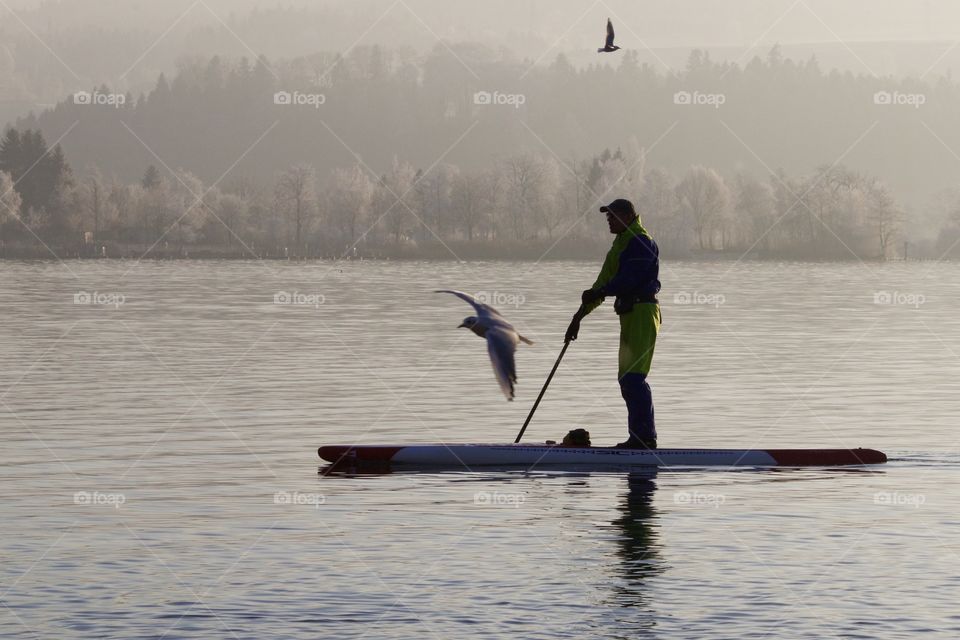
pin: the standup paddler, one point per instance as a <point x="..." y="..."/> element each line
<point x="630" y="273"/>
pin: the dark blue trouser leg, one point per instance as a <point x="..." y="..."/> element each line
<point x="636" y="393"/>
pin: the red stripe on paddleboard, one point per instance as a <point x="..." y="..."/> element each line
<point x="817" y="457"/>
<point x="338" y="453"/>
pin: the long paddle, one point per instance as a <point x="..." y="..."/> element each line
<point x="542" y="391"/>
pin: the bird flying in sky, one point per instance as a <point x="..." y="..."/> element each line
<point x="501" y="337"/>
<point x="608" y="46"/>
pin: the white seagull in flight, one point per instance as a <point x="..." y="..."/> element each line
<point x="501" y="337"/>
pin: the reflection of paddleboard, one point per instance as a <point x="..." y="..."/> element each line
<point x="445" y="455"/>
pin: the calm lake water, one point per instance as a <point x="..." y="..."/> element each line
<point x="160" y="424"/>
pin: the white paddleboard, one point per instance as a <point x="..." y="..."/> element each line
<point x="469" y="455"/>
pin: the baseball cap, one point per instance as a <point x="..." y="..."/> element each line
<point x="621" y="206"/>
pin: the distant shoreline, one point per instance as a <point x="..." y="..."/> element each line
<point x="690" y="258"/>
<point x="574" y="249"/>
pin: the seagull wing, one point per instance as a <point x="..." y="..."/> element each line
<point x="502" y="345"/>
<point x="609" y="34"/>
<point x="481" y="308"/>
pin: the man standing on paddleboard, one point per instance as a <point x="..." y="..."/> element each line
<point x="631" y="273"/>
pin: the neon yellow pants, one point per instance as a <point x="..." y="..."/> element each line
<point x="638" y="337"/>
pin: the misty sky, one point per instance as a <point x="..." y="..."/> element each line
<point x="660" y="23"/>
<point x="876" y="37"/>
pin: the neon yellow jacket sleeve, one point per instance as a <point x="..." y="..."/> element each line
<point x="611" y="264"/>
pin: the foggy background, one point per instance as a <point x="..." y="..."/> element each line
<point x="390" y="152"/>
<point x="797" y="162"/>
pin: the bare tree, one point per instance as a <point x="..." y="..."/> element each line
<point x="154" y="210"/>
<point x="10" y="202"/>
<point x="703" y="196"/>
<point x="349" y="200"/>
<point x="295" y="197"/>
<point x="884" y="215"/>
<point x="95" y="209"/>
<point x="657" y="206"/>
<point x="547" y="211"/>
<point x="392" y="198"/>
<point x="523" y="175"/>
<point x="575" y="196"/>
<point x="754" y="206"/>
<point x="467" y="202"/>
<point x="432" y="197"/>
<point x="492" y="196"/>
<point x="229" y="220"/>
<point x="190" y="213"/>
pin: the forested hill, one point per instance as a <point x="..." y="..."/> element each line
<point x="770" y="113"/>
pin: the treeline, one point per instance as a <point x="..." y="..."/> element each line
<point x="524" y="206"/>
<point x="378" y="103"/>
<point x="107" y="38"/>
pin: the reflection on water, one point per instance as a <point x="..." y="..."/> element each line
<point x="639" y="556"/>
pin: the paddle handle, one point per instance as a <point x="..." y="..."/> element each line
<point x="542" y="391"/>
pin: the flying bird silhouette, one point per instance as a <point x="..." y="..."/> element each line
<point x="608" y="46"/>
<point x="501" y="337"/>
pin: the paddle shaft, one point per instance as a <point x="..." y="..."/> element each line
<point x="542" y="391"/>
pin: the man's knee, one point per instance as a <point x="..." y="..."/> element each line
<point x="633" y="382"/>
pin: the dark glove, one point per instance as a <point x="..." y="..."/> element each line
<point x="572" y="330"/>
<point x="590" y="296"/>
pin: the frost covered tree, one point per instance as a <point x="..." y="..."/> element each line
<point x="393" y="198"/>
<point x="349" y="199"/>
<point x="704" y="197"/>
<point x="523" y="176"/>
<point x="754" y="211"/>
<point x="10" y="202"/>
<point x="884" y="216"/>
<point x="295" y="198"/>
